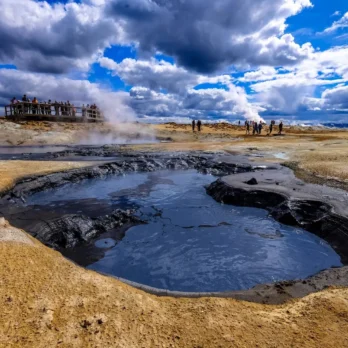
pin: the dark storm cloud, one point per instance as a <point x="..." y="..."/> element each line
<point x="208" y="35"/>
<point x="202" y="35"/>
<point x="44" y="38"/>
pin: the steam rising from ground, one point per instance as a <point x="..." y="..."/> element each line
<point x="115" y="107"/>
<point x="121" y="126"/>
<point x="121" y="133"/>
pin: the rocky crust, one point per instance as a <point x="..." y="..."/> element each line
<point x="290" y="202"/>
<point x="70" y="231"/>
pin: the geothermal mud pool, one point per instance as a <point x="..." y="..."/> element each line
<point x="192" y="243"/>
<point x="160" y="228"/>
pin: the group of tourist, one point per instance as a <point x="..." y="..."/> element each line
<point x="34" y="107"/>
<point x="258" y="126"/>
<point x="255" y="127"/>
<point x="198" y="124"/>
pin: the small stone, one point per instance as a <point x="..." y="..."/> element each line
<point x="252" y="181"/>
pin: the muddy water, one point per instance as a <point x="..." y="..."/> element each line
<point x="190" y="242"/>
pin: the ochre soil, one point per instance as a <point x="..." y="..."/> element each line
<point x="47" y="301"/>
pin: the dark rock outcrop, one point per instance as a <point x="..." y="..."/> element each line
<point x="69" y="231"/>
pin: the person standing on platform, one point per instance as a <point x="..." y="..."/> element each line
<point x="56" y="108"/>
<point x="14" y="106"/>
<point x="25" y="103"/>
<point x="35" y="106"/>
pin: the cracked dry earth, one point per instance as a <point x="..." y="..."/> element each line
<point x="47" y="301"/>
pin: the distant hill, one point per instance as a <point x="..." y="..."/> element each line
<point x="336" y="125"/>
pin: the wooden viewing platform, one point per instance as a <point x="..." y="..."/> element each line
<point x="52" y="112"/>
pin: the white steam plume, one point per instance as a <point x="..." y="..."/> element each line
<point x="242" y="106"/>
<point x="115" y="108"/>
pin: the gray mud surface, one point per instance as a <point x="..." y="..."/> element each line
<point x="318" y="209"/>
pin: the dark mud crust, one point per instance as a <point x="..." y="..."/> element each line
<point x="71" y="230"/>
<point x="311" y="213"/>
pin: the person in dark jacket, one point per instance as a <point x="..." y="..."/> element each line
<point x="193" y="125"/>
<point x="280" y="128"/>
<point x="270" y="128"/>
<point x="255" y="128"/>
<point x="25" y="104"/>
<point x="260" y="128"/>
<point x="199" y="125"/>
<point x="247" y="126"/>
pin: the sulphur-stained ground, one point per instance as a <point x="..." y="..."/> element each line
<point x="47" y="301"/>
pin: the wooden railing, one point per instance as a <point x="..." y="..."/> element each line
<point x="53" y="112"/>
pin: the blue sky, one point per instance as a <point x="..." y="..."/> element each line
<point x="161" y="61"/>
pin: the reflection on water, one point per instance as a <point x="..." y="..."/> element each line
<point x="191" y="242"/>
<point x="31" y="149"/>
